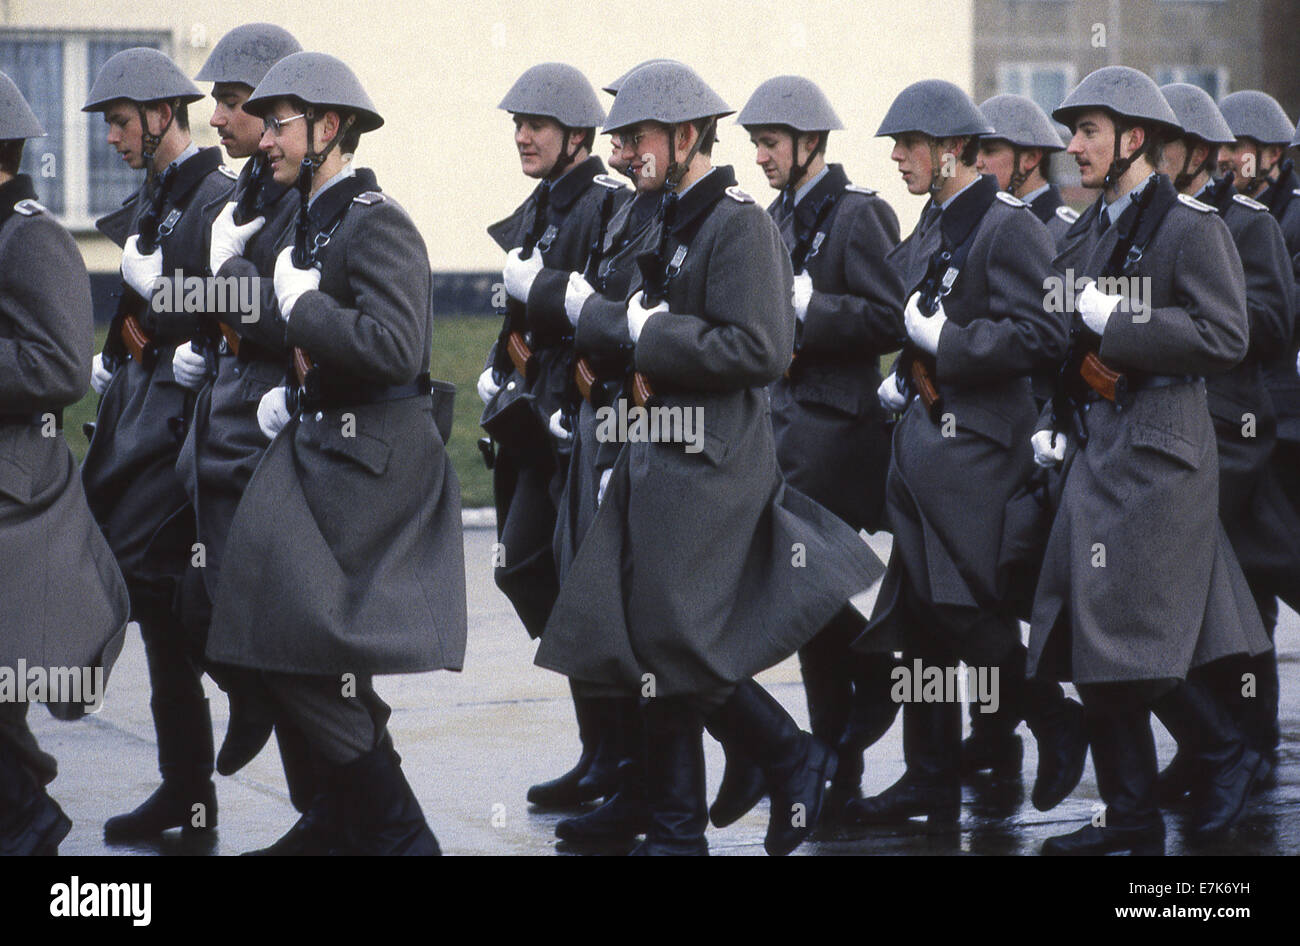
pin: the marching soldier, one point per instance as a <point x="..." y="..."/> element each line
<point x="1261" y="525"/>
<point x="320" y="590"/>
<point x="549" y="236"/>
<point x="832" y="434"/>
<point x="978" y="263"/>
<point x="129" y="471"/>
<point x="1139" y="584"/>
<point x="64" y="603"/>
<point x="724" y="569"/>
<point x="237" y="359"/>
<point x="1018" y="154"/>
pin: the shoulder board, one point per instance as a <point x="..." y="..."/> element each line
<point x="1011" y="199"/>
<point x="1250" y="202"/>
<point x="609" y="181"/>
<point x="29" y="208"/>
<point x="1068" y="214"/>
<point x="1195" y="204"/>
<point x="229" y="172"/>
<point x="859" y="189"/>
<point x="368" y="198"/>
<point x="739" y="196"/>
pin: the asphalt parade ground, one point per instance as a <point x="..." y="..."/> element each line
<point x="473" y="742"/>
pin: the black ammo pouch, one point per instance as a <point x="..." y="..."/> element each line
<point x="513" y="419"/>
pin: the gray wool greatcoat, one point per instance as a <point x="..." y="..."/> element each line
<point x="63" y="603"/>
<point x="1261" y="524"/>
<point x="345" y="554"/>
<point x="949" y="483"/>
<point x="224" y="442"/>
<point x="1144" y="490"/>
<point x="832" y="434"/>
<point x="705" y="568"/>
<point x="1283" y="200"/>
<point x="130" y="469"/>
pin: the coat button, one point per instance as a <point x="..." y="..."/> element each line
<point x="510" y="386"/>
<point x="319" y="415"/>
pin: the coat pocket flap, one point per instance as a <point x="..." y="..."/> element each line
<point x="983" y="422"/>
<point x="828" y="395"/>
<point x="370" y="453"/>
<point x="1166" y="442"/>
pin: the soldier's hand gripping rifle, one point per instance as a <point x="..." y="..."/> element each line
<point x="916" y="368"/>
<point x="656" y="272"/>
<point x="305" y="371"/>
<point x="126" y="334"/>
<point x="512" y="349"/>
<point x="805" y="246"/>
<point x="1083" y="367"/>
<point x="584" y="376"/>
<point x="247" y="198"/>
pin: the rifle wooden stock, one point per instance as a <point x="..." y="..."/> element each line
<point x="137" y="341"/>
<point x="521" y="356"/>
<point x="231" y="337"/>
<point x="642" y="393"/>
<point x="1106" y="381"/>
<point x="302" y="366"/>
<point x="922" y="378"/>
<point x="584" y="377"/>
<point x="789" y="369"/>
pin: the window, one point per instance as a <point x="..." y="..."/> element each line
<point x="76" y="173"/>
<point x="1213" y="79"/>
<point x="1046" y="83"/>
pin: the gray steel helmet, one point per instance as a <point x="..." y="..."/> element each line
<point x="557" y="91"/>
<point x="140" y="74"/>
<point x="936" y="108"/>
<point x="667" y="92"/>
<point x="790" y="100"/>
<point x="17" y="120"/>
<point x="318" y="79"/>
<point x="617" y="84"/>
<point x="1019" y="121"/>
<point x="1254" y="114"/>
<point x="1197" y="113"/>
<point x="1123" y="91"/>
<point x="245" y="54"/>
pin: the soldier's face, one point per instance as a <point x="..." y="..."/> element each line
<point x="912" y="155"/>
<point x="287" y="146"/>
<point x="997" y="158"/>
<point x="616" y="162"/>
<point x="774" y="153"/>
<point x="1249" y="159"/>
<point x="645" y="149"/>
<point x="124" y="132"/>
<point x="538" y="140"/>
<point x="238" y="130"/>
<point x="1093" y="147"/>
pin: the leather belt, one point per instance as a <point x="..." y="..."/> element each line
<point x="359" y="394"/>
<point x="33" y="419"/>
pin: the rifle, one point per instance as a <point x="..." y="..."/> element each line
<point x="916" y="369"/>
<point x="1083" y="368"/>
<point x="584" y="376"/>
<point x="305" y="371"/>
<point x="512" y="349"/>
<point x="803" y="247"/>
<point x="126" y="335"/>
<point x="655" y="276"/>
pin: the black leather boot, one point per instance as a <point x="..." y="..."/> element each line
<point x="993" y="745"/>
<point x="1226" y="769"/>
<point x="1175" y="781"/>
<point x="743" y="785"/>
<point x="618" y="821"/>
<point x="375" y="809"/>
<point x="795" y="764"/>
<point x="674" y="780"/>
<point x="31" y="822"/>
<point x="1056" y="722"/>
<point x="596" y="773"/>
<point x="826" y="663"/>
<point x="186" y="799"/>
<point x="247" y="732"/>
<point x="931" y="785"/>
<point x="873" y="710"/>
<point x="1124" y="756"/>
<point x="314" y="834"/>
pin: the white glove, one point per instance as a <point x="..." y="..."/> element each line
<point x="604" y="484"/>
<point x="99" y="376"/>
<point x="273" y="411"/>
<point x="558" y="430"/>
<point x="487" y="385"/>
<point x="1049" y="447"/>
<point x="891" y="398"/>
<point x="923" y="331"/>
<point x="291" y="282"/>
<point x="801" y="295"/>
<point x="141" y="271"/>
<point x="1096" y="307"/>
<point x="576" y="295"/>
<point x="229" y="239"/>
<point x="1297" y="364"/>
<point x="520" y="273"/>
<point x="637" y="314"/>
<point x="189" y="367"/>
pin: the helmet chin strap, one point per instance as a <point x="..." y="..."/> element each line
<point x="1018" y="175"/>
<point x="797" y="170"/>
<point x="149" y="142"/>
<point x="1118" y="166"/>
<point x="564" y="160"/>
<point x="313" y="159"/>
<point x="1261" y="176"/>
<point x="1183" y="179"/>
<point x="677" y="170"/>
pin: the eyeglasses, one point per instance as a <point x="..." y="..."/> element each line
<point x="274" y="125"/>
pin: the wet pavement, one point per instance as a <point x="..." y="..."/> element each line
<point x="473" y="742"/>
